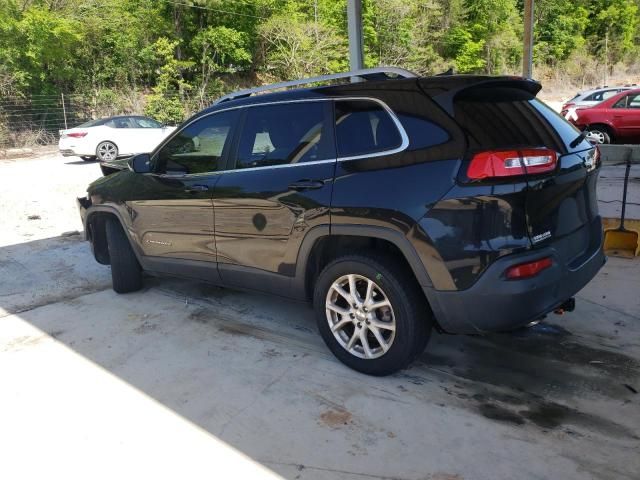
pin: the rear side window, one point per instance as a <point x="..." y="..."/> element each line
<point x="499" y="118"/>
<point x="364" y="127"/>
<point x="284" y="134"/>
<point x="628" y="101"/>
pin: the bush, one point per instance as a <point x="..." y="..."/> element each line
<point x="167" y="110"/>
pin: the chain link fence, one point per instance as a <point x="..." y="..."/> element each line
<point x="27" y="122"/>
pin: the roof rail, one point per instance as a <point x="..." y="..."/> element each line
<point x="376" y="74"/>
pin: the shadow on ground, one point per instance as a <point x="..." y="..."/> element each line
<point x="252" y="370"/>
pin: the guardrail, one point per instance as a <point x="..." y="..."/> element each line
<point x="610" y="191"/>
<point x="617" y="154"/>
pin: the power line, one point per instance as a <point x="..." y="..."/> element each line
<point x="200" y="7"/>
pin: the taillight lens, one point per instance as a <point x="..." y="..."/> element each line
<point x="77" y="134"/>
<point x="528" y="270"/>
<point x="567" y="106"/>
<point x="510" y="163"/>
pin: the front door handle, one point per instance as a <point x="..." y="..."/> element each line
<point x="196" y="188"/>
<point x="306" y="185"/>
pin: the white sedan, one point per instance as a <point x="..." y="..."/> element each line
<point x="108" y="138"/>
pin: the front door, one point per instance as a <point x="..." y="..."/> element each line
<point x="278" y="186"/>
<point x="172" y="213"/>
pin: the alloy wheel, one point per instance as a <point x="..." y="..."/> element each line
<point x="107" y="151"/>
<point x="360" y="316"/>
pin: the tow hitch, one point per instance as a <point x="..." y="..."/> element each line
<point x="568" y="306"/>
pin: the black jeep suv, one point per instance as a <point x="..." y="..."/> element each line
<point x="396" y="205"/>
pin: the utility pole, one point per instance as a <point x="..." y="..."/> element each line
<point x="354" y="23"/>
<point x="606" y="57"/>
<point x="527" y="58"/>
<point x="64" y="111"/>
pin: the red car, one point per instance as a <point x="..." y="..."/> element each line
<point x="617" y="119"/>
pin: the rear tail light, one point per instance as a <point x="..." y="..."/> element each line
<point x="77" y="134"/>
<point x="528" y="270"/>
<point x="567" y="106"/>
<point x="511" y="163"/>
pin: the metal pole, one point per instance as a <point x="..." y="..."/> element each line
<point x="354" y="22"/>
<point x="527" y="59"/>
<point x="64" y="111"/>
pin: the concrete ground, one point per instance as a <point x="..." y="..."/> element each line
<point x="185" y="380"/>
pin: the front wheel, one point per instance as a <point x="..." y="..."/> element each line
<point x="126" y="274"/>
<point x="371" y="313"/>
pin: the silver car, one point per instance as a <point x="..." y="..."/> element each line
<point x="589" y="98"/>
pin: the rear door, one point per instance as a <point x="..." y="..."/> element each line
<point x="626" y="115"/>
<point x="278" y="187"/>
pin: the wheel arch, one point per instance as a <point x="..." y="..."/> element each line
<point x="324" y="243"/>
<point x="95" y="232"/>
<point x="609" y="129"/>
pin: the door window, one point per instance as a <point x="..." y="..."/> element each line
<point x="364" y="127"/>
<point x="629" y="101"/>
<point x="120" y="122"/>
<point x="143" y="122"/>
<point x="284" y="134"/>
<point x="198" y="148"/>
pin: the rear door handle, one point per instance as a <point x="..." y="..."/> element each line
<point x="306" y="185"/>
<point x="196" y="188"/>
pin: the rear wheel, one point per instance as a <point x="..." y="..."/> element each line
<point x="106" y="151"/>
<point x="126" y="274"/>
<point x="599" y="134"/>
<point x="371" y="313"/>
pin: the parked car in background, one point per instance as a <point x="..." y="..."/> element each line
<point x="108" y="138"/>
<point x="396" y="205"/>
<point x="589" y="98"/>
<point x="616" y="119"/>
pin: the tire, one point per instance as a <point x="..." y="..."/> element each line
<point x="87" y="158"/>
<point x="408" y="311"/>
<point x="106" y="151"/>
<point x="126" y="274"/>
<point x="599" y="134"/>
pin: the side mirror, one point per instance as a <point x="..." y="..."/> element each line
<point x="140" y="163"/>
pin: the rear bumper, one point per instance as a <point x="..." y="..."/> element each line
<point x="495" y="304"/>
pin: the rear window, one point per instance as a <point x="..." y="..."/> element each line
<point x="498" y="118"/>
<point x="91" y="123"/>
<point x="364" y="127"/>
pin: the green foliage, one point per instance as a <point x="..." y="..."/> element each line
<point x="179" y="52"/>
<point x="167" y="110"/>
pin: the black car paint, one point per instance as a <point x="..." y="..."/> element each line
<point x="251" y="229"/>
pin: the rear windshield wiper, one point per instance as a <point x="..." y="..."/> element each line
<point x="579" y="139"/>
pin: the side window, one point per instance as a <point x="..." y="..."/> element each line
<point x="123" y="122"/>
<point x="284" y="133"/>
<point x="627" y="101"/>
<point x="364" y="127"/>
<point x="609" y="94"/>
<point x="142" y="122"/>
<point x="634" y="101"/>
<point x="199" y="147"/>
<point x="590" y="98"/>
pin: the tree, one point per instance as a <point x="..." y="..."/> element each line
<point x="222" y="49"/>
<point x="295" y="48"/>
